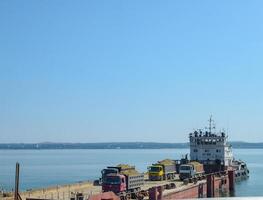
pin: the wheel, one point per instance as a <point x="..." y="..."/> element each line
<point x="128" y="196"/>
<point x="173" y="177"/>
<point x="123" y="197"/>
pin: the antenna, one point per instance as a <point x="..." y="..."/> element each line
<point x="211" y="124"/>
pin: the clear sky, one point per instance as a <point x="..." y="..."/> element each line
<point x="103" y="71"/>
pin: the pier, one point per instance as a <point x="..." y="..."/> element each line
<point x="212" y="185"/>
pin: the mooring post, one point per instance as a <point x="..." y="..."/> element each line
<point x="16" y="196"/>
<point x="153" y="193"/>
<point x="201" y="190"/>
<point x="210" y="182"/>
<point x="231" y="178"/>
<point x="160" y="192"/>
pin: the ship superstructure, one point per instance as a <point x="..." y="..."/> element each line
<point x="212" y="149"/>
<point x="209" y="147"/>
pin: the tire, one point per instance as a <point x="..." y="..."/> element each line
<point x="173" y="177"/>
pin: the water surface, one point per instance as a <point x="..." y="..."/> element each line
<point x="40" y="168"/>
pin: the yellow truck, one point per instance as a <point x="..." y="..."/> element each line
<point x="162" y="170"/>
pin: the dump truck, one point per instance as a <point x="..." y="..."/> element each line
<point x="191" y="170"/>
<point x="162" y="170"/>
<point x="123" y="180"/>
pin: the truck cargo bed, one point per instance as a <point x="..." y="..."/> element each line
<point x="169" y="169"/>
<point x="134" y="181"/>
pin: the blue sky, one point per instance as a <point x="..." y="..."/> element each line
<point x="102" y="71"/>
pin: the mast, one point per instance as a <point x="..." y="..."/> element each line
<point x="211" y="126"/>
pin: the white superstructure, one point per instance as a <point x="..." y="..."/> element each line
<point x="209" y="147"/>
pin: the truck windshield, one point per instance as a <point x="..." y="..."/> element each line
<point x="109" y="171"/>
<point x="155" y="169"/>
<point x="113" y="180"/>
<point x="185" y="167"/>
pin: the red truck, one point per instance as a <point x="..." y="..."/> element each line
<point x="123" y="180"/>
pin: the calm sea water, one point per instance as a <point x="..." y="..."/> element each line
<point x="40" y="168"/>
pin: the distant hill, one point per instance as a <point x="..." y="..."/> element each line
<point x="247" y="145"/>
<point x="116" y="145"/>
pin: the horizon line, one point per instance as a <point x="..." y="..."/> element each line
<point x="48" y="142"/>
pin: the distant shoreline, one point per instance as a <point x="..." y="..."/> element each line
<point x="116" y="145"/>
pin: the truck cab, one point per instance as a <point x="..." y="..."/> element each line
<point x="186" y="171"/>
<point x="156" y="172"/>
<point x="115" y="183"/>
